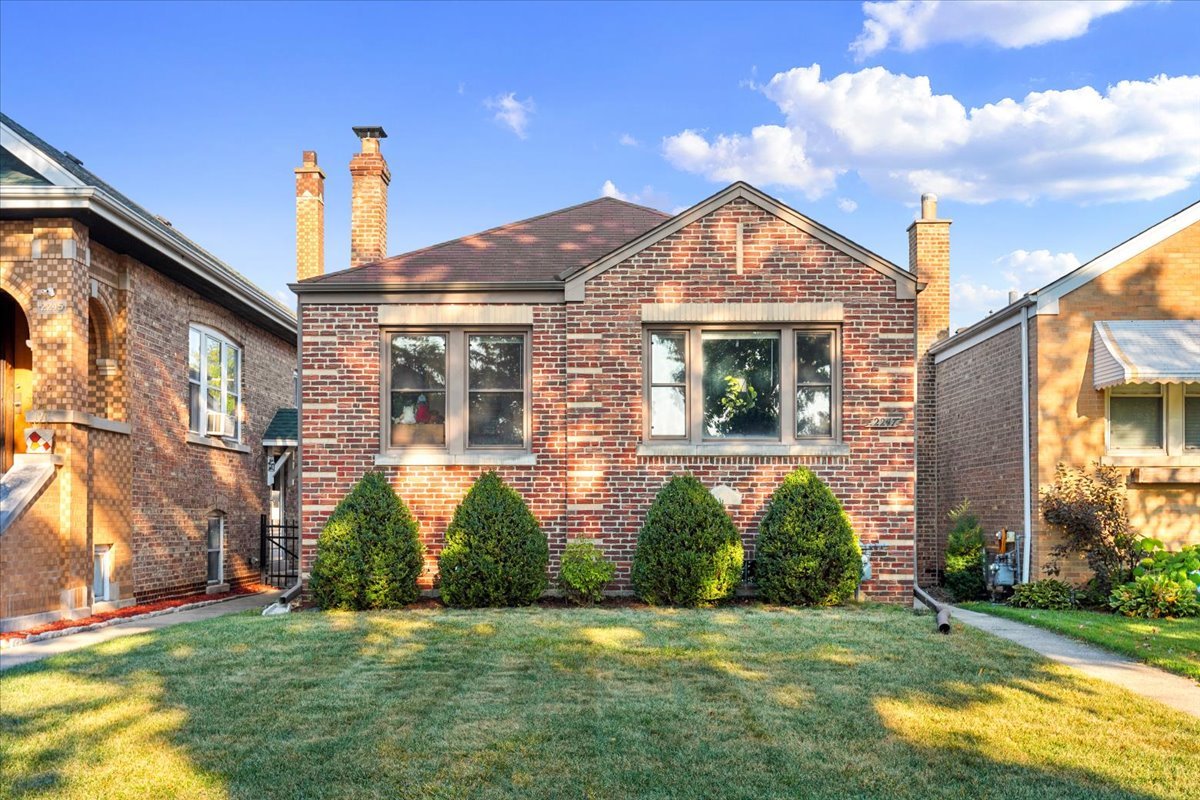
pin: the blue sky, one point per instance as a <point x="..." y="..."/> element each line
<point x="497" y="112"/>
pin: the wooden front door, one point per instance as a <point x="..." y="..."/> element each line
<point x="16" y="378"/>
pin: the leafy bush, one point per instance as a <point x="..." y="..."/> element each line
<point x="495" y="553"/>
<point x="1048" y="594"/>
<point x="368" y="554"/>
<point x="966" y="559"/>
<point x="806" y="553"/>
<point x="1091" y="512"/>
<point x="688" y="551"/>
<point x="584" y="572"/>
<point x="1182" y="567"/>
<point x="1155" y="596"/>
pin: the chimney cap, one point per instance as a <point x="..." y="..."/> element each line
<point x="370" y="132"/>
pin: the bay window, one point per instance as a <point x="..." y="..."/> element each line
<point x="456" y="390"/>
<point x="712" y="384"/>
<point x="214" y="384"/>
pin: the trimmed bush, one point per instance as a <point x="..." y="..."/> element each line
<point x="1047" y="594"/>
<point x="584" y="573"/>
<point x="495" y="553"/>
<point x="806" y="553"/>
<point x="966" y="560"/>
<point x="1154" y="597"/>
<point x="688" y="551"/>
<point x="368" y="554"/>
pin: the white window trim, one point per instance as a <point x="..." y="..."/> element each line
<point x="1174" y="451"/>
<point x="205" y="414"/>
<point x="220" y="549"/>
<point x="101" y="597"/>
<point x="456" y="449"/>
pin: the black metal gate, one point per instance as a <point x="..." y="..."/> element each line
<point x="280" y="553"/>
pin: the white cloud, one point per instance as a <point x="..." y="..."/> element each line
<point x="908" y="26"/>
<point x="511" y="112"/>
<point x="1136" y="140"/>
<point x="628" y="141"/>
<point x="648" y="196"/>
<point x="847" y="205"/>
<point x="1020" y="271"/>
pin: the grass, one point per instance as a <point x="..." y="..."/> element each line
<point x="745" y="702"/>
<point x="1172" y="644"/>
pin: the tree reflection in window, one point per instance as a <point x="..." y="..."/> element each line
<point x="741" y="384"/>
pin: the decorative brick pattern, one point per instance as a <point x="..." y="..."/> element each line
<point x="310" y="218"/>
<point x="368" y="204"/>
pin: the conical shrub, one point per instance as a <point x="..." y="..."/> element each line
<point x="688" y="551"/>
<point x="806" y="552"/>
<point x="496" y="553"/>
<point x="368" y="554"/>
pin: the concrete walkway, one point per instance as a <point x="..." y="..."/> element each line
<point x="1175" y="691"/>
<point x="36" y="651"/>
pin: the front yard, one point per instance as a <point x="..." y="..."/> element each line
<point x="1171" y="644"/>
<point x="744" y="702"/>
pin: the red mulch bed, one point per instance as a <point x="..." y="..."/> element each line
<point x="133" y="611"/>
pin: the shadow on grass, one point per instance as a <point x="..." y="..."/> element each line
<point x="736" y="703"/>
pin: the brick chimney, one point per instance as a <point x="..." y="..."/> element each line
<point x="929" y="259"/>
<point x="369" y="177"/>
<point x="310" y="218"/>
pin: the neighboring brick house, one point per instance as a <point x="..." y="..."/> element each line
<point x="1107" y="361"/>
<point x="147" y="371"/>
<point x="590" y="353"/>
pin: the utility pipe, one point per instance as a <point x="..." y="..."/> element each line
<point x="1027" y="546"/>
<point x="942" y="611"/>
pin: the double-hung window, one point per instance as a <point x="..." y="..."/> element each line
<point x="214" y="383"/>
<point x="457" y="390"/>
<point x="215" y="548"/>
<point x="709" y="384"/>
<point x="1154" y="419"/>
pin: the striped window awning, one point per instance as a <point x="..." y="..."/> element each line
<point x="1145" y="351"/>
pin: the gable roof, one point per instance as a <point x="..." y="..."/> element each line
<point x="1045" y="300"/>
<point x="533" y="250"/>
<point x="38" y="179"/>
<point x="284" y="429"/>
<point x="906" y="282"/>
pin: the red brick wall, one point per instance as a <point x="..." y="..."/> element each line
<point x="589" y="480"/>
<point x="177" y="484"/>
<point x="981" y="383"/>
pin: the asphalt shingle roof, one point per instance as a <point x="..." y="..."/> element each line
<point x="285" y="426"/>
<point x="535" y="249"/>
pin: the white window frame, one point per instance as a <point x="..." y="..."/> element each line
<point x="220" y="549"/>
<point x="457" y="389"/>
<point x="207" y="415"/>
<point x="1173" y="397"/>
<point x="105" y="553"/>
<point x="1189" y="390"/>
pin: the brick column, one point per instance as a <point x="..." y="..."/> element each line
<point x="310" y="218"/>
<point x="369" y="177"/>
<point x="929" y="258"/>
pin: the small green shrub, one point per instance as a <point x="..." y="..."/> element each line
<point x="1047" y="594"/>
<point x="584" y="573"/>
<point x="806" y="553"/>
<point x="495" y="553"/>
<point x="688" y="551"/>
<point x="1155" y="596"/>
<point x="368" y="554"/>
<point x="1090" y="511"/>
<point x="1182" y="567"/>
<point x="966" y="559"/>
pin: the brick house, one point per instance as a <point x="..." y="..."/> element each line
<point x="1105" y="364"/>
<point x="138" y="376"/>
<point x="590" y="353"/>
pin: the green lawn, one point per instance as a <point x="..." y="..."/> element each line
<point x="746" y="702"/>
<point x="1172" y="644"/>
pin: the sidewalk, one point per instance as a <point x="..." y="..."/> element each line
<point x="36" y="651"/>
<point x="1175" y="691"/>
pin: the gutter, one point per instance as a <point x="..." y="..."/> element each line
<point x="340" y="287"/>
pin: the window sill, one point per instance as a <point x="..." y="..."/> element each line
<point x="216" y="443"/>
<point x="440" y="458"/>
<point x="741" y="449"/>
<point x="1191" y="459"/>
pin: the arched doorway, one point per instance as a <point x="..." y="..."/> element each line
<point x="16" y="378"/>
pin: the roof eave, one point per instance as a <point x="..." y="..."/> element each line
<point x="393" y="287"/>
<point x="88" y="198"/>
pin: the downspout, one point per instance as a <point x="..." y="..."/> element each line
<point x="1028" y="499"/>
